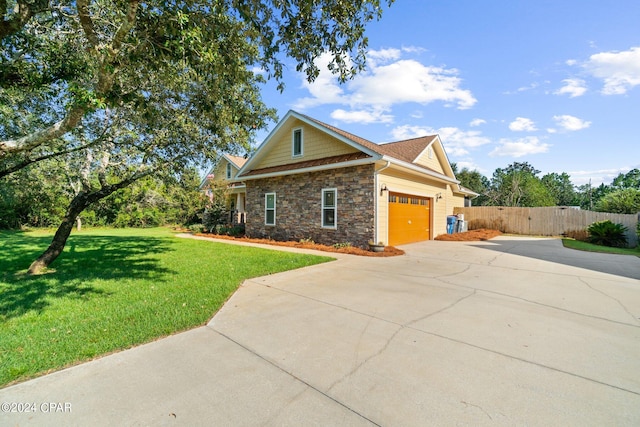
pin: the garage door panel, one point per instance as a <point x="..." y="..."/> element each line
<point x="409" y="218"/>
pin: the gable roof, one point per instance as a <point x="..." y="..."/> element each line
<point x="237" y="161"/>
<point x="401" y="152"/>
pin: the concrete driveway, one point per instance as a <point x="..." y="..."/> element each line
<point x="514" y="331"/>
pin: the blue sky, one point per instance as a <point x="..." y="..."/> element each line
<point x="552" y="83"/>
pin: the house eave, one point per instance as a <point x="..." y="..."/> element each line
<point x="420" y="170"/>
<point x="358" y="162"/>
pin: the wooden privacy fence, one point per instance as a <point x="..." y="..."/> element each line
<point x="548" y="221"/>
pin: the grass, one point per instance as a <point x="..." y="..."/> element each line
<point x="114" y="289"/>
<point x="590" y="247"/>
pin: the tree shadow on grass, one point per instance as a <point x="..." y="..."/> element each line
<point x="85" y="259"/>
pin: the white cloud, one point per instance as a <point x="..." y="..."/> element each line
<point x="325" y="88"/>
<point x="376" y="57"/>
<point x="620" y="71"/>
<point x="530" y="87"/>
<point x="477" y="122"/>
<point x="400" y="133"/>
<point x="457" y="142"/>
<point x="571" y="62"/>
<point x="522" y="124"/>
<point x="413" y="49"/>
<point x="389" y="81"/>
<point x="571" y="123"/>
<point x="470" y="165"/>
<point x="519" y="147"/>
<point x="572" y="87"/>
<point x="362" y="116"/>
<point x="408" y="80"/>
<point x="596" y="177"/>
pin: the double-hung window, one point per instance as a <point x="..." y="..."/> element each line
<point x="297" y="143"/>
<point x="329" y="208"/>
<point x="270" y="209"/>
<point x="228" y="170"/>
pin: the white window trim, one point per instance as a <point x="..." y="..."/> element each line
<point x="335" y="209"/>
<point x="228" y="170"/>
<point x="266" y="209"/>
<point x="293" y="142"/>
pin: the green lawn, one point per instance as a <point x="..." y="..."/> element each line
<point x="590" y="247"/>
<point x="113" y="289"/>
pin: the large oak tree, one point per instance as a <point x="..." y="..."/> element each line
<point x="126" y="88"/>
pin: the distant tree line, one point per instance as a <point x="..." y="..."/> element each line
<point x="39" y="197"/>
<point x="520" y="184"/>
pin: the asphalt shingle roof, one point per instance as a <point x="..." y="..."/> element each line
<point x="405" y="151"/>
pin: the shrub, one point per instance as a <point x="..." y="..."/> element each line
<point x="581" y="235"/>
<point x="342" y="245"/>
<point x="196" y="228"/>
<point x="606" y="233"/>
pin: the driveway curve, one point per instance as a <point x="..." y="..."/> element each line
<point x="512" y="331"/>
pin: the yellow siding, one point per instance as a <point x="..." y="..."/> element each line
<point x="220" y="171"/>
<point x="433" y="162"/>
<point x="405" y="183"/>
<point x="316" y="145"/>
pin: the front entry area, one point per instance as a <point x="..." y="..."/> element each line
<point x="409" y="218"/>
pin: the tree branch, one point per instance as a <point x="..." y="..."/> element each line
<point x="29" y="142"/>
<point x="28" y="161"/>
<point x="105" y="76"/>
<point x="25" y="11"/>
<point x="87" y="23"/>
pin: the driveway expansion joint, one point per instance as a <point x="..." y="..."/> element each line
<point x="292" y="375"/>
<point x="531" y="362"/>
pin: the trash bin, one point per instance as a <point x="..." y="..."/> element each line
<point x="451" y="222"/>
<point x="461" y="226"/>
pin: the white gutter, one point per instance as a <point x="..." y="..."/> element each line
<point x="376" y="191"/>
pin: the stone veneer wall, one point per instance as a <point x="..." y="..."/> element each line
<point x="299" y="205"/>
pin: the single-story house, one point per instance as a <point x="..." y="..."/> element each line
<point x="222" y="176"/>
<point x="311" y="180"/>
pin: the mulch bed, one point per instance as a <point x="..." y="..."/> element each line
<point x="473" y="235"/>
<point x="470" y="236"/>
<point x="352" y="250"/>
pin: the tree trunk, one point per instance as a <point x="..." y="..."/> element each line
<point x="78" y="204"/>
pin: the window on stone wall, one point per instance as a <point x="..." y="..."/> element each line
<point x="329" y="208"/>
<point x="270" y="209"/>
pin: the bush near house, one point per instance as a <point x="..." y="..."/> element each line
<point x="580" y="235"/>
<point x="606" y="233"/>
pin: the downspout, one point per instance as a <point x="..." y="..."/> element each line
<point x="376" y="238"/>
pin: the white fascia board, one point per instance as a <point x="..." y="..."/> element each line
<point x="421" y="170"/>
<point x="310" y="169"/>
<point x="466" y="192"/>
<point x="232" y="163"/>
<point x="209" y="172"/>
<point x="258" y="154"/>
<point x="237" y="189"/>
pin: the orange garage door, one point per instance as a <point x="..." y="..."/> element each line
<point x="409" y="219"/>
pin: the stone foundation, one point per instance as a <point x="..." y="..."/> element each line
<point x="299" y="206"/>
